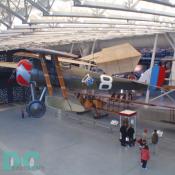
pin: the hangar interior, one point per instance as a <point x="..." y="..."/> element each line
<point x="79" y="132"/>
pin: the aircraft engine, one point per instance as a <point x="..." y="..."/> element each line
<point x="24" y="71"/>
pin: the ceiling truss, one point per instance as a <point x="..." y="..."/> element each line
<point x="93" y="19"/>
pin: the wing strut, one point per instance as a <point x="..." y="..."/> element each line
<point x="46" y="75"/>
<point x="60" y="77"/>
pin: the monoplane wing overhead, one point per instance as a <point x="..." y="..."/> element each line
<point x="8" y="65"/>
<point x="117" y="59"/>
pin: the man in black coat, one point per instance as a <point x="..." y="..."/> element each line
<point x="123" y="131"/>
<point x="130" y="135"/>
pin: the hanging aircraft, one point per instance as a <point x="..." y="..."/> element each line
<point x="68" y="77"/>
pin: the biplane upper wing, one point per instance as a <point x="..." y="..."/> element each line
<point x="65" y="60"/>
<point x="8" y="65"/>
<point x="75" y="62"/>
<point x="36" y="53"/>
<point x="41" y="51"/>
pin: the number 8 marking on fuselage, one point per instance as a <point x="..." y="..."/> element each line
<point x="105" y="82"/>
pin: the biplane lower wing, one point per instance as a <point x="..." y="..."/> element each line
<point x="71" y="104"/>
<point x="8" y="65"/>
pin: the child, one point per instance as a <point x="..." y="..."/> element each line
<point x="144" y="155"/>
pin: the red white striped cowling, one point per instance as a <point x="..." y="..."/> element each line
<point x="23" y="72"/>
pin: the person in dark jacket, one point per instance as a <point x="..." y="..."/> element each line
<point x="154" y="140"/>
<point x="22" y="113"/>
<point x="144" y="155"/>
<point x="123" y="131"/>
<point x="130" y="135"/>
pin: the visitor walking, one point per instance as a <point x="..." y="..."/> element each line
<point x="144" y="156"/>
<point x="130" y="135"/>
<point x="22" y="113"/>
<point x="123" y="131"/>
<point x="154" y="140"/>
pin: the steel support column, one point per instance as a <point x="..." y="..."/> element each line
<point x="172" y="75"/>
<point x="151" y="67"/>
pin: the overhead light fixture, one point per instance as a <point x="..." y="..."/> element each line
<point x="138" y="8"/>
<point x="81" y="20"/>
<point x="169" y="25"/>
<point x="160" y="18"/>
<point x="82" y="2"/>
<point x="61" y="25"/>
<point x="106" y="15"/>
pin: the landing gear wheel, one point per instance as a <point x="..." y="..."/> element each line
<point x="36" y="109"/>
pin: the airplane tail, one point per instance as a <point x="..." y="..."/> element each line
<point x="157" y="76"/>
<point x="145" y="76"/>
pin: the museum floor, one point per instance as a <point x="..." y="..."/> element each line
<point x="71" y="144"/>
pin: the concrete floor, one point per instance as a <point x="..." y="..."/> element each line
<point x="70" y="147"/>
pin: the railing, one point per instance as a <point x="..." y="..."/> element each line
<point x="103" y="102"/>
<point x="113" y="104"/>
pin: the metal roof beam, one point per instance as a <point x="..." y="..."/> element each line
<point x="57" y="31"/>
<point x="108" y="6"/>
<point x="85" y="15"/>
<point x="34" y="22"/>
<point x="169" y="39"/>
<point x="28" y="37"/>
<point x="13" y="12"/>
<point x="38" y="6"/>
<point x="161" y="2"/>
<point x="99" y="27"/>
<point x="4" y="23"/>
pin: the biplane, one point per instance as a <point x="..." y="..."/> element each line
<point x="68" y="77"/>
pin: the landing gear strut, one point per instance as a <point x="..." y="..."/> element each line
<point x="36" y="108"/>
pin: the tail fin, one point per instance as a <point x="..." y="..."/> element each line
<point x="145" y="76"/>
<point x="157" y="77"/>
